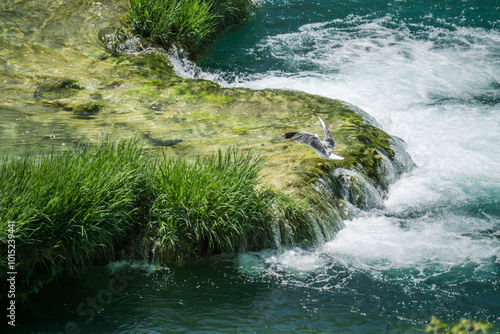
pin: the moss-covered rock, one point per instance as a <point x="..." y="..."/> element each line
<point x="87" y="81"/>
<point x="56" y="89"/>
<point x="140" y="95"/>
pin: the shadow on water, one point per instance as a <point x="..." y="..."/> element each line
<point x="221" y="293"/>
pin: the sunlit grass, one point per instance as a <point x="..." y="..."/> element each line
<point x="70" y="208"/>
<point x="210" y="206"/>
<point x="78" y="207"/>
<point x="191" y="24"/>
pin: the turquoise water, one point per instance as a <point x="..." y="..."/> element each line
<point x="430" y="74"/>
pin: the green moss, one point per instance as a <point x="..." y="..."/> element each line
<point x="91" y="107"/>
<point x="366" y="143"/>
<point x="145" y="92"/>
<point x="50" y="89"/>
<point x="78" y="107"/>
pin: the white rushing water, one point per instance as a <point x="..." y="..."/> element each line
<point x="436" y="88"/>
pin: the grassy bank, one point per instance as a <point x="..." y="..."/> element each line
<point x="76" y="208"/>
<point x="191" y="24"/>
<point x="70" y="208"/>
<point x="210" y="206"/>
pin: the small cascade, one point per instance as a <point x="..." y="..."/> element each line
<point x="181" y="64"/>
<point x="355" y="188"/>
<point x="343" y="193"/>
<point x="276" y="232"/>
<point x="392" y="169"/>
<point x="154" y="256"/>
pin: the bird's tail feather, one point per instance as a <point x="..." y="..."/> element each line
<point x="335" y="157"/>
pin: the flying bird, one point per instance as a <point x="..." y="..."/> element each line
<point x="322" y="147"/>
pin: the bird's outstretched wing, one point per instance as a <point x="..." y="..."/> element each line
<point x="328" y="137"/>
<point x="302" y="137"/>
<point x="310" y="139"/>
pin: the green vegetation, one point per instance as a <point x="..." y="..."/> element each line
<point x="464" y="326"/>
<point x="192" y="24"/>
<point x="209" y="206"/>
<point x="76" y="208"/>
<point x="69" y="208"/>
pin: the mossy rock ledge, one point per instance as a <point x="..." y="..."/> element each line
<point x="202" y="117"/>
<point x="218" y="117"/>
<point x="141" y="95"/>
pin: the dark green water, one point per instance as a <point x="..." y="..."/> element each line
<point x="429" y="72"/>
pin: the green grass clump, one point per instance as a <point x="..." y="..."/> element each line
<point x="73" y="208"/>
<point x="69" y="208"/>
<point x="210" y="206"/>
<point x="192" y="24"/>
<point x="76" y="208"/>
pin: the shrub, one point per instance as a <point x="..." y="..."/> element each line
<point x="69" y="208"/>
<point x="210" y="206"/>
<point x="192" y="24"/>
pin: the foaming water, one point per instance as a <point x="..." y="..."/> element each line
<point x="429" y="75"/>
<point x="377" y="244"/>
<point x="380" y="243"/>
<point x="432" y="81"/>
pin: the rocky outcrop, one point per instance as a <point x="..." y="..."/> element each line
<point x="140" y="95"/>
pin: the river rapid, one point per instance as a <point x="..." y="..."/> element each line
<point x="428" y="72"/>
